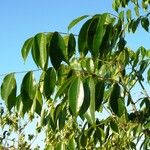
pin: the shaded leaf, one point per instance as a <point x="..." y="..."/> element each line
<point x="114" y="97"/>
<point x="49" y="82"/>
<point x="114" y="126"/>
<point x="75" y="21"/>
<point x="28" y="90"/>
<point x="57" y="50"/>
<point x="8" y="90"/>
<point x="82" y="39"/>
<point x="99" y="94"/>
<point x="145" y="23"/>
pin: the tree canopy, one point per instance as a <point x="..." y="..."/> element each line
<point x="84" y="98"/>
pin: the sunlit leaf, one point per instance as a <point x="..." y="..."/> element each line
<point x="26" y="48"/>
<point x="75" y="21"/>
<point x="39" y="50"/>
<point x="8" y="90"/>
<point x="90" y="113"/>
<point x="76" y="95"/>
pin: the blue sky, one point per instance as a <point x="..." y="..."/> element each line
<point x="20" y="20"/>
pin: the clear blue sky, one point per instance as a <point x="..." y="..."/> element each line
<point x="21" y="19"/>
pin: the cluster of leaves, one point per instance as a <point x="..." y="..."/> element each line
<point x="84" y="95"/>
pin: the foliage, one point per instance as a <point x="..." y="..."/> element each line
<point x="84" y="99"/>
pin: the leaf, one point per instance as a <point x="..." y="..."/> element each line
<point x="60" y="146"/>
<point x="145" y="23"/>
<point x="75" y="21"/>
<point x="136" y="9"/>
<point x="99" y="94"/>
<point x="63" y="87"/>
<point x="49" y="82"/>
<point x="90" y="113"/>
<point x="128" y="14"/>
<point x="114" y="97"/>
<point x="8" y="90"/>
<point x="26" y="48"/>
<point x="76" y="95"/>
<point x="114" y="126"/>
<point x="71" y="144"/>
<point x="96" y="32"/>
<point x="39" y="51"/>
<point x="90" y="65"/>
<point x="86" y="102"/>
<point x="57" y="50"/>
<point x="71" y="45"/>
<point x="82" y="39"/>
<point x="28" y="90"/>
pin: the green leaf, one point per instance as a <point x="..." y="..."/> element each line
<point x="82" y="39"/>
<point x="90" y="113"/>
<point x="26" y="48"/>
<point x="71" y="144"/>
<point x="114" y="126"/>
<point x="39" y="102"/>
<point x="145" y="23"/>
<point x="49" y="82"/>
<point x="71" y="46"/>
<point x="86" y="102"/>
<point x="60" y="146"/>
<point x="75" y="21"/>
<point x="76" y="95"/>
<point x="28" y="90"/>
<point x="57" y="50"/>
<point x="114" y="97"/>
<point x="39" y="51"/>
<point x="128" y="14"/>
<point x="90" y="65"/>
<point x="96" y="32"/>
<point x="136" y="9"/>
<point x="63" y="87"/>
<point x="99" y="94"/>
<point x="8" y="90"/>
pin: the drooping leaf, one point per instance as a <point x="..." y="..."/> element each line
<point x="82" y="39"/>
<point x="71" y="45"/>
<point x="96" y="32"/>
<point x="60" y="146"/>
<point x="76" y="95"/>
<point x="148" y="76"/>
<point x="49" y="82"/>
<point x="8" y="90"/>
<point x="90" y="113"/>
<point x="75" y="21"/>
<point x="57" y="50"/>
<point x="99" y="94"/>
<point x="114" y="97"/>
<point x="39" y="50"/>
<point x="28" y="90"/>
<point x="145" y="23"/>
<point x="26" y="48"/>
<point x="86" y="102"/>
<point x="128" y="14"/>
